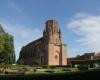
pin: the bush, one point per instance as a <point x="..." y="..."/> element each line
<point x="53" y="67"/>
<point x="35" y="70"/>
<point x="6" y="72"/>
<point x="82" y="67"/>
<point x="49" y="71"/>
<point x="56" y="66"/>
<point x="91" y="65"/>
<point x="66" y="70"/>
<point x="64" y="66"/>
<point x="47" y="67"/>
<point x="25" y="69"/>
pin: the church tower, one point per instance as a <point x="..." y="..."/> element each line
<point x="52" y="32"/>
<point x="56" y="51"/>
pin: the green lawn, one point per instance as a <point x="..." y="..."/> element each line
<point x="21" y="69"/>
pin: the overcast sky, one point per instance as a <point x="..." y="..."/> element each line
<point x="79" y="21"/>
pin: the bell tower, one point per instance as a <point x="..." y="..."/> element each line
<point x="52" y="32"/>
<point x="52" y="39"/>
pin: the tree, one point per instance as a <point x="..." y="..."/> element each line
<point x="7" y="54"/>
<point x="1" y="29"/>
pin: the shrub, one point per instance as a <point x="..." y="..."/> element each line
<point x="63" y="66"/>
<point x="49" y="71"/>
<point x="91" y="65"/>
<point x="44" y="66"/>
<point x="82" y="67"/>
<point x="6" y="72"/>
<point x="35" y="70"/>
<point x="25" y="69"/>
<point x="53" y="67"/>
<point x="66" y="70"/>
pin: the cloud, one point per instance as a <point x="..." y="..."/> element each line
<point x="87" y="28"/>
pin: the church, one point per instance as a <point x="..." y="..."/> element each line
<point x="47" y="50"/>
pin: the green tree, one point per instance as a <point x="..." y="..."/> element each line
<point x="1" y="29"/>
<point x="7" y="54"/>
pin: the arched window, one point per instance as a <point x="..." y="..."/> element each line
<point x="56" y="56"/>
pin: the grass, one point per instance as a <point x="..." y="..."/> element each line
<point x="21" y="72"/>
<point x="21" y="69"/>
<point x="80" y="75"/>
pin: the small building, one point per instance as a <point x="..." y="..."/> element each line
<point x="96" y="56"/>
<point x="85" y="56"/>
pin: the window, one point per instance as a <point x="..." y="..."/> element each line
<point x="56" y="57"/>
